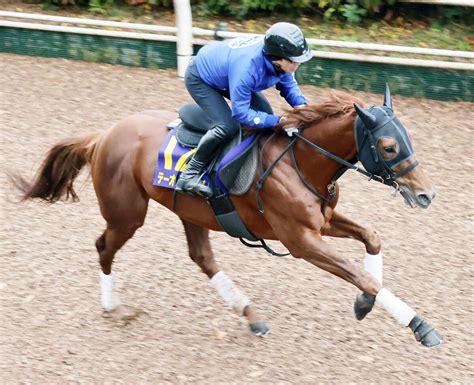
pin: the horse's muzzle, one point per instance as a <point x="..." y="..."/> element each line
<point x="424" y="198"/>
<point x="420" y="199"/>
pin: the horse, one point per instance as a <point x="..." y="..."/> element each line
<point x="296" y="186"/>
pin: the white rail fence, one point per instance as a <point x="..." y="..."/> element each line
<point x="171" y="34"/>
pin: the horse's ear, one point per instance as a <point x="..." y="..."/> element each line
<point x="367" y="118"/>
<point x="387" y="98"/>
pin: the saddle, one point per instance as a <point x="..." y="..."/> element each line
<point x="231" y="171"/>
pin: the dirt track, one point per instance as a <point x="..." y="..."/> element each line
<point x="51" y="326"/>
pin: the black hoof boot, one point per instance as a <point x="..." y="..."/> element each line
<point x="425" y="333"/>
<point x="363" y="305"/>
<point x="259" y="328"/>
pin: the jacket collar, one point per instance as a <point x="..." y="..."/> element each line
<point x="269" y="66"/>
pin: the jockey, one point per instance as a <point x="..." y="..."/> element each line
<point x="239" y="69"/>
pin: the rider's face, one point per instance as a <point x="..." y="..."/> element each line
<point x="287" y="65"/>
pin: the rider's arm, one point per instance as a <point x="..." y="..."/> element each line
<point x="290" y="91"/>
<point x="241" y="87"/>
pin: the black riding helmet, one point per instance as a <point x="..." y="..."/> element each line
<point x="285" y="40"/>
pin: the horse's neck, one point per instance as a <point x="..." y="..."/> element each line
<point x="333" y="135"/>
<point x="336" y="136"/>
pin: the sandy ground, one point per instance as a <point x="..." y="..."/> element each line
<point x="52" y="328"/>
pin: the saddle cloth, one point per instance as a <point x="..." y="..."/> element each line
<point x="231" y="171"/>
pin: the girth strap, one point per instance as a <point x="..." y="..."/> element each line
<point x="228" y="217"/>
<point x="232" y="224"/>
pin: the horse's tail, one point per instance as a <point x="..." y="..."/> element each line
<point x="59" y="169"/>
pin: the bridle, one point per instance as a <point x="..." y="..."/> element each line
<point x="376" y="168"/>
<point x="369" y="126"/>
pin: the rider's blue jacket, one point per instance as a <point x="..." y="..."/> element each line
<point x="240" y="67"/>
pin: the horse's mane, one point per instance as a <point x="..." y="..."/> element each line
<point x="338" y="104"/>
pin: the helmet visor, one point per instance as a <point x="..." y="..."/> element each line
<point x="306" y="56"/>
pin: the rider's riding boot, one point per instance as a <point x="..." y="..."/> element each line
<point x="190" y="180"/>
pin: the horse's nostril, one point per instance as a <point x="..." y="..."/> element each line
<point x="423" y="199"/>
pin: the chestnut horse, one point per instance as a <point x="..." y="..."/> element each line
<point x="298" y="196"/>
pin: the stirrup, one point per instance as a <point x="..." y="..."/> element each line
<point x="195" y="188"/>
<point x="201" y="190"/>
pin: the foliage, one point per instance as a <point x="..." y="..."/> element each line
<point x="353" y="13"/>
<point x="55" y="4"/>
<point x="350" y="11"/>
<point x="100" y="6"/>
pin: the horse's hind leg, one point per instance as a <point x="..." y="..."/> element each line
<point x="342" y="227"/>
<point x="107" y="245"/>
<point x="124" y="213"/>
<point x="201" y="253"/>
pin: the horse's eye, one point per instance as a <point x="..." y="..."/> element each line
<point x="389" y="149"/>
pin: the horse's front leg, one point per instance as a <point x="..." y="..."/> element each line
<point x="308" y="244"/>
<point x="342" y="227"/>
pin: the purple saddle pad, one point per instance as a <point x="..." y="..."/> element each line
<point x="172" y="160"/>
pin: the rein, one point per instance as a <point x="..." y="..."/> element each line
<point x="347" y="164"/>
<point x="331" y="187"/>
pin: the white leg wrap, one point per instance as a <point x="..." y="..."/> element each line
<point x="108" y="297"/>
<point x="396" y="307"/>
<point x="229" y="292"/>
<point x="373" y="264"/>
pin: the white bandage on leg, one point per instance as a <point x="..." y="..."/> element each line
<point x="108" y="297"/>
<point x="229" y="292"/>
<point x="395" y="306"/>
<point x="373" y="264"/>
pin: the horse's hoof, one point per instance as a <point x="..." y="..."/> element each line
<point x="432" y="339"/>
<point x="363" y="305"/>
<point x="259" y="328"/>
<point x="425" y="333"/>
<point x="123" y="313"/>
